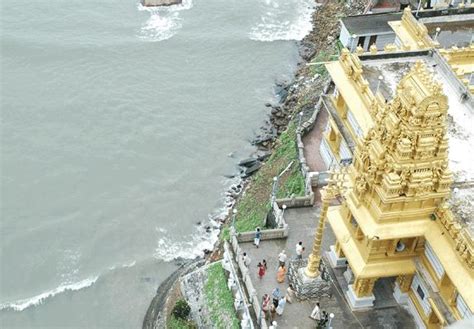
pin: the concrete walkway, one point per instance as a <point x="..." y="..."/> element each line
<point x="312" y="140"/>
<point x="302" y="222"/>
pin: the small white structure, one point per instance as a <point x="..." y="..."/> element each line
<point x="365" y="30"/>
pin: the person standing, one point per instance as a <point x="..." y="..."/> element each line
<point x="299" y="250"/>
<point x="281" y="306"/>
<point x="246" y="259"/>
<point x="282" y="258"/>
<point x="258" y="236"/>
<point x="276" y="296"/>
<point x="316" y="314"/>
<point x="324" y="319"/>
<point x="272" y="312"/>
<point x="264" y="263"/>
<point x="261" y="270"/>
<point x="266" y="306"/>
<point x="281" y="274"/>
<point x="290" y="294"/>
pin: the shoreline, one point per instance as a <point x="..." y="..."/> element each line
<point x="298" y="95"/>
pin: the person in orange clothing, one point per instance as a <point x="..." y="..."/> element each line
<point x="281" y="274"/>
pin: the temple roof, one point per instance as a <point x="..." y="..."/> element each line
<point x="460" y="121"/>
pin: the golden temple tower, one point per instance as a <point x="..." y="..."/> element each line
<point x="392" y="221"/>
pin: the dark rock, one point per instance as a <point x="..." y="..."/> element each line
<point x="280" y="114"/>
<point x="262" y="139"/>
<point x="249" y="162"/>
<point x="281" y="121"/>
<point x="157" y="3"/>
<point x="268" y="105"/>
<point x="262" y="156"/>
<point x="253" y="169"/>
<point x="283" y="95"/>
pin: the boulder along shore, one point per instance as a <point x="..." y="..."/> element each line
<point x="298" y="96"/>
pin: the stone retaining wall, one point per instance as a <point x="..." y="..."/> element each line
<point x="246" y="279"/>
<point x="297" y="201"/>
<point x="277" y="233"/>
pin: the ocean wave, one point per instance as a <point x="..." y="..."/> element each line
<point x="283" y="20"/>
<point x="205" y="236"/>
<point x="22" y="304"/>
<point x="170" y="249"/>
<point x="163" y="23"/>
<point x="126" y="265"/>
<point x="192" y="246"/>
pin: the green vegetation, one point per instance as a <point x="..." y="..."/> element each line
<point x="294" y="184"/>
<point x="181" y="310"/>
<point x="179" y="318"/>
<point x="323" y="56"/>
<point x="219" y="298"/>
<point x="254" y="205"/>
<point x="177" y="323"/>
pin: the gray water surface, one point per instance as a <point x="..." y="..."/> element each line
<point x="116" y="125"/>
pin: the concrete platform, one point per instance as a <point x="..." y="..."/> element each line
<point x="302" y="223"/>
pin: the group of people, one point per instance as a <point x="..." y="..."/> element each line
<point x="275" y="304"/>
<point x="282" y="257"/>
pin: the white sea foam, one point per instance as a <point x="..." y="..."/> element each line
<point x="22" y="304"/>
<point x="131" y="264"/>
<point x="169" y="248"/>
<point x="205" y="236"/>
<point x="126" y="265"/>
<point x="283" y="20"/>
<point x="161" y="230"/>
<point x="163" y="23"/>
<point x="192" y="246"/>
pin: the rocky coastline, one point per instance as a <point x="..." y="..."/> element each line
<point x="297" y="100"/>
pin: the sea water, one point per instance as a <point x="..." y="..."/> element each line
<point x="119" y="124"/>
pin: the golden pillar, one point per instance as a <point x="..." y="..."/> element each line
<point x="363" y="287"/>
<point x="312" y="269"/>
<point x="329" y="192"/>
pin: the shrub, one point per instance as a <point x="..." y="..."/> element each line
<point x="181" y="310"/>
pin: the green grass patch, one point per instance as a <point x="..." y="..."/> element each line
<point x="294" y="184"/>
<point x="176" y="323"/>
<point x="254" y="205"/>
<point x="323" y="56"/>
<point x="219" y="298"/>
